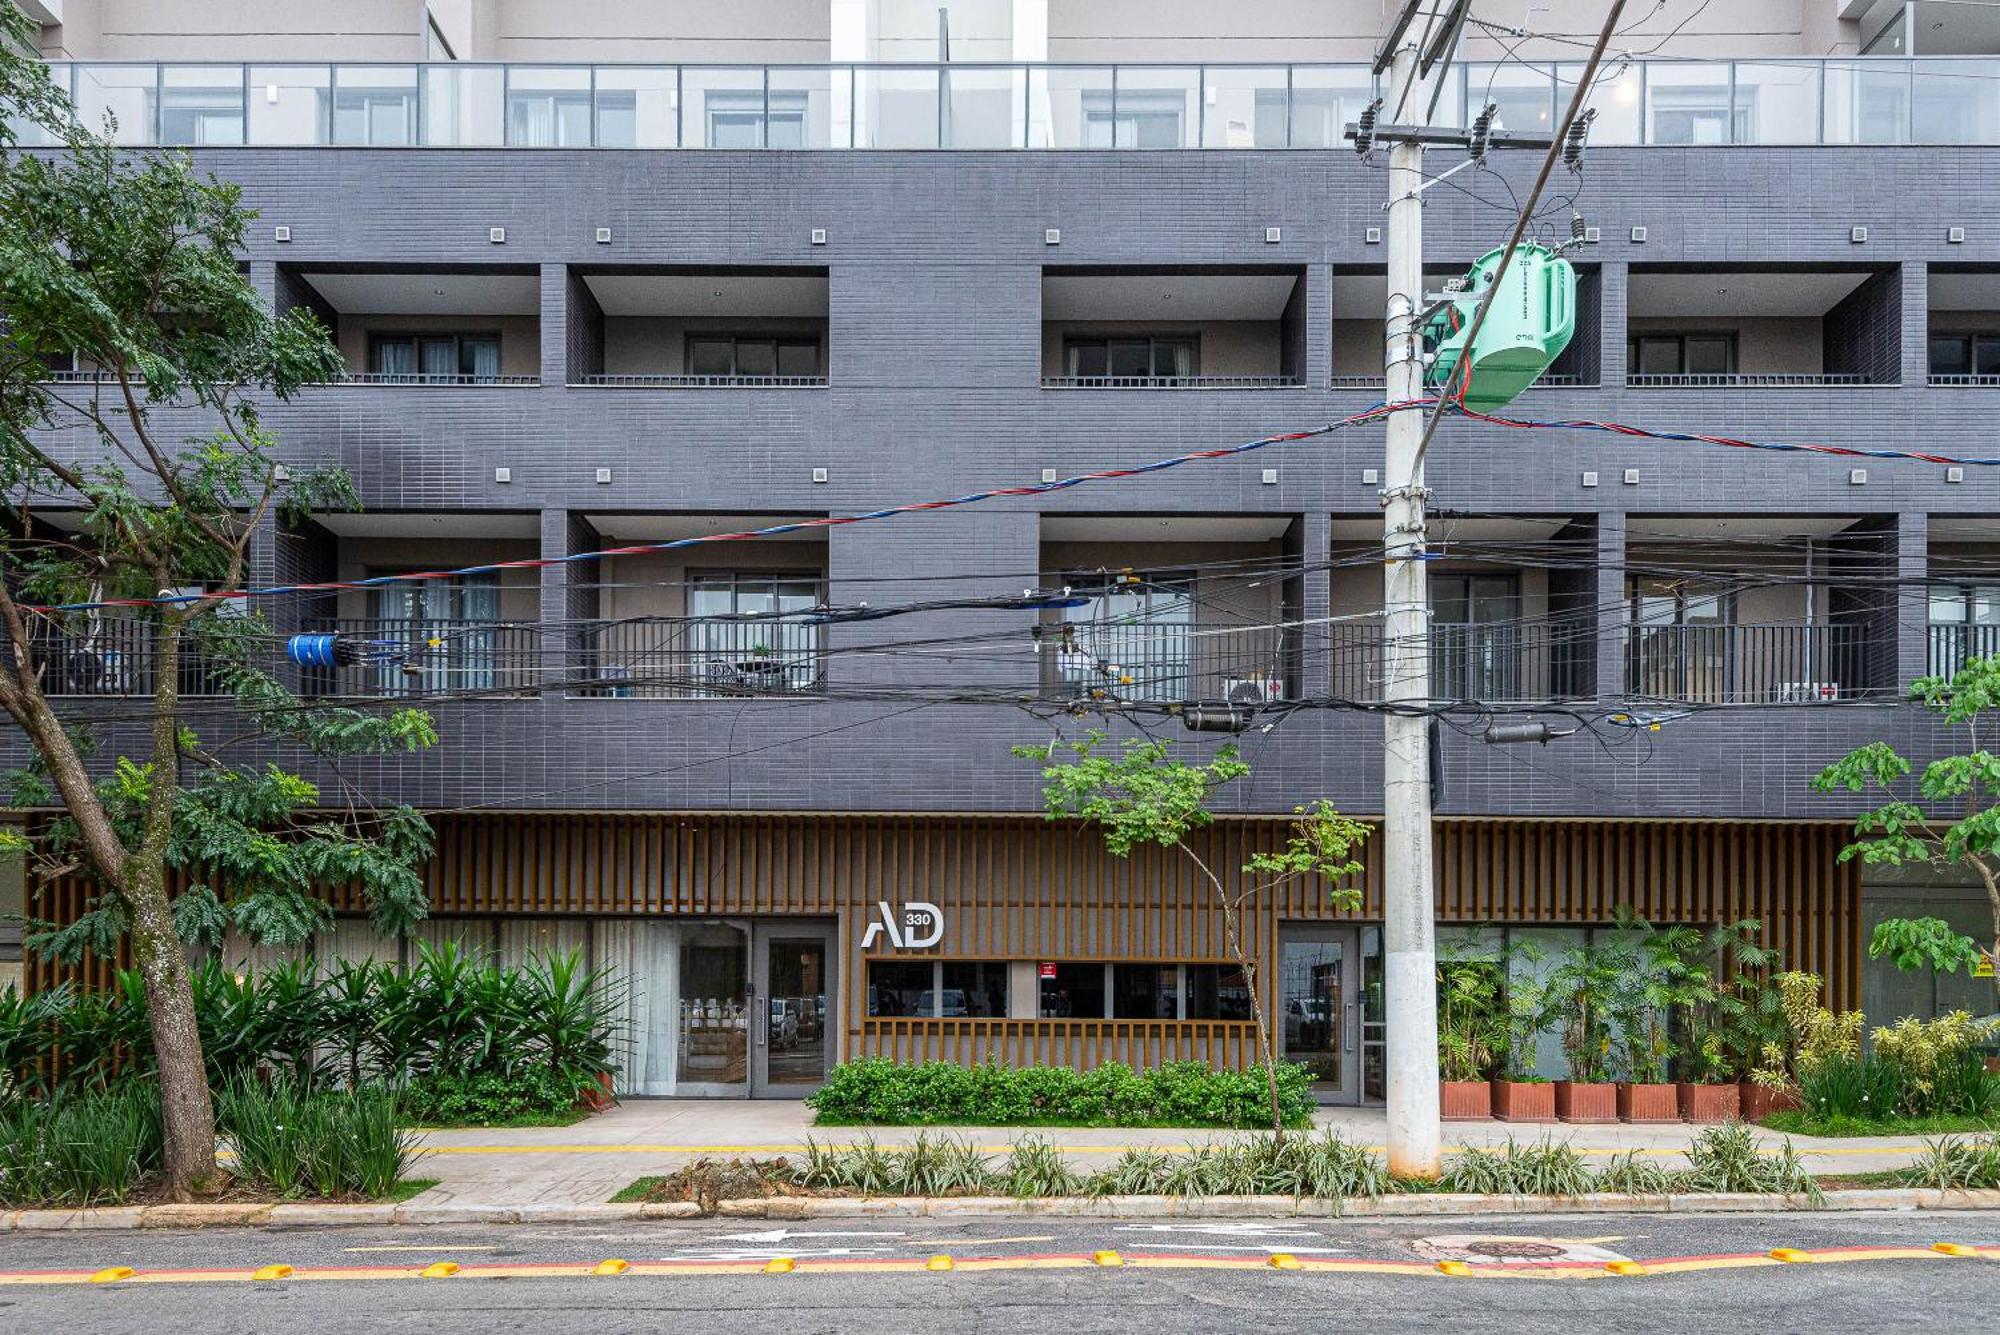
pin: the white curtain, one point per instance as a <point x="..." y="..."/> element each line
<point x="471" y="935"/>
<point x="523" y="937"/>
<point x="644" y="959"/>
<point x="355" y="940"/>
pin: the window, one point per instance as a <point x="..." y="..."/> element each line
<point x="197" y="106"/>
<point x="1145" y="991"/>
<point x="895" y="987"/>
<point x="383" y="115"/>
<point x="1216" y="992"/>
<point x="449" y="357"/>
<point x="1130" y="356"/>
<point x="1138" y="120"/>
<point x="1145" y="627"/>
<point x="1679" y="602"/>
<point x="740" y="119"/>
<point x="1965" y="354"/>
<point x="1477" y="639"/>
<point x="1076" y="991"/>
<point x="550" y="118"/>
<point x="938" y="989"/>
<point x="1682" y="354"/>
<point x="752" y="356"/>
<point x="1697" y="115"/>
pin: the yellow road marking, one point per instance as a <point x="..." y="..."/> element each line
<point x="917" y="1265"/>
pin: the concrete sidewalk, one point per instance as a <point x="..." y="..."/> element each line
<point x="589" y="1162"/>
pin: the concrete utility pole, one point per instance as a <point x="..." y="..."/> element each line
<point x="1408" y="945"/>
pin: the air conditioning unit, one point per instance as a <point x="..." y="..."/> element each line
<point x="1808" y="692"/>
<point x="1257" y="689"/>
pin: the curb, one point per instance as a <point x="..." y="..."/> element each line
<point x="194" y="1216"/>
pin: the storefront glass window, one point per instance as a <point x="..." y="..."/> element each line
<point x="714" y="1001"/>
<point x="1217" y="992"/>
<point x="1076" y="992"/>
<point x="1144" y="991"/>
<point x="973" y="987"/>
<point x="899" y="987"/>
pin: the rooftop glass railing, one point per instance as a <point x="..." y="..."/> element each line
<point x="1940" y="100"/>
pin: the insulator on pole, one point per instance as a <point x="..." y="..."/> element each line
<point x="1579" y="130"/>
<point x="1364" y="129"/>
<point x="1482" y="131"/>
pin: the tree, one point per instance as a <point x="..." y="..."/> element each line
<point x="1902" y="831"/>
<point x="1140" y="794"/>
<point x="128" y="262"/>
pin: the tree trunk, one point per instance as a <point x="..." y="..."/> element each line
<point x="187" y="1113"/>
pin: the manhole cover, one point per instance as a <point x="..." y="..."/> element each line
<point x="1509" y="1249"/>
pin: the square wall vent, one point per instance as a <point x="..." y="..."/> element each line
<point x="497" y="235"/>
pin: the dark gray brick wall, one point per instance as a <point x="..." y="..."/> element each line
<point x="1863" y="333"/>
<point x="934" y="263"/>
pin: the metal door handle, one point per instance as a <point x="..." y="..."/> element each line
<point x="1348" y="1030"/>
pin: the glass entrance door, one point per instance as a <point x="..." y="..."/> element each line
<point x="792" y="1039"/>
<point x="1320" y="990"/>
<point x="712" y="1046"/>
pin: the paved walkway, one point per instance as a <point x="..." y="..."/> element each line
<point x="589" y="1162"/>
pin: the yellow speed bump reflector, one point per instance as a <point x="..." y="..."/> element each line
<point x="1453" y="1268"/>
<point x="1624" y="1268"/>
<point x="1954" y="1249"/>
<point x="272" y="1272"/>
<point x="1790" y="1255"/>
<point x="780" y="1265"/>
<point x="614" y="1266"/>
<point x="1283" y="1261"/>
<point x="938" y="1262"/>
<point x="111" y="1274"/>
<point x="1107" y="1258"/>
<point x="439" y="1270"/>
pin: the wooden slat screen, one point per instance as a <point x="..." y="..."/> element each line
<point x="1019" y="887"/>
<point x="1081" y="1044"/>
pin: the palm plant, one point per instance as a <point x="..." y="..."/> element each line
<point x="1662" y="973"/>
<point x="1582" y="995"/>
<point x="1472" y="1021"/>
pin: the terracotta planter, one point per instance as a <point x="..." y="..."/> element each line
<point x="1524" y="1101"/>
<point x="1708" y="1103"/>
<point x="1755" y="1102"/>
<point x="1648" y="1103"/>
<point x="1591" y="1104"/>
<point x="1465" y="1100"/>
<point x="598" y="1097"/>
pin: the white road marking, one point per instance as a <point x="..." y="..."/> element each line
<point x="780" y="1234"/>
<point x="1242" y="1230"/>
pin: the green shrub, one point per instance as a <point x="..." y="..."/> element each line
<point x="1727" y="1158"/>
<point x="876" y="1091"/>
<point x="1954" y="1163"/>
<point x="487" y="1098"/>
<point x="1853" y="1087"/>
<point x="1542" y="1168"/>
<point x="84" y="1149"/>
<point x="1633" y="1175"/>
<point x="327" y="1145"/>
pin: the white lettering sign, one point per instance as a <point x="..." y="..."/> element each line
<point x="918" y="927"/>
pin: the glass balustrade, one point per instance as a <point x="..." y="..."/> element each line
<point x="1692" y="103"/>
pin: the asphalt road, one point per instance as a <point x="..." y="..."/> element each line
<point x="1525" y="1273"/>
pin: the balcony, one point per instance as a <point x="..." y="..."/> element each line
<point x="1759" y="609"/>
<point x="736" y="328"/>
<point x="1511" y="602"/>
<point x="1359" y="339"/>
<point x="654" y="658"/>
<point x="1180" y="610"/>
<point x="462" y="326"/>
<point x="1964" y="597"/>
<point x="462" y="104"/>
<point x="1737" y="328"/>
<point x="113" y="655"/>
<point x="1964" y="325"/>
<point x="1172" y="328"/>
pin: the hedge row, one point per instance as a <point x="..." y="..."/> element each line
<point x="879" y="1092"/>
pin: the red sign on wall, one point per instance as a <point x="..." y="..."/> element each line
<point x="1048" y="971"/>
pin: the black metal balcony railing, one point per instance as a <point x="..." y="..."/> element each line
<point x="115" y="657"/>
<point x="1963" y="381"/>
<point x="413" y="378"/>
<point x="1762" y="380"/>
<point x="1167" y="662"/>
<point x="1512" y="662"/>
<point x="434" y="656"/>
<point x="664" y="659"/>
<point x="1749" y="664"/>
<point x="704" y="381"/>
<point x="1951" y="645"/>
<point x="1172" y="382"/>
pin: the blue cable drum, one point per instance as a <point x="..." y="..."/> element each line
<point x="313" y="651"/>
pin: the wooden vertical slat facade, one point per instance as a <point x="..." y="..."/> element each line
<point x="1021" y="888"/>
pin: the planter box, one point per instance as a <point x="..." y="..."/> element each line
<point x="1708" y="1103"/>
<point x="598" y="1097"/>
<point x="1648" y="1103"/>
<point x="1755" y="1102"/>
<point x="1590" y="1104"/>
<point x="1465" y="1100"/>
<point x="1524" y="1101"/>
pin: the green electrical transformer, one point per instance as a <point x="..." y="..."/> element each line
<point x="1527" y="326"/>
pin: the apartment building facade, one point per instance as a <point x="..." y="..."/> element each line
<point x="660" y="272"/>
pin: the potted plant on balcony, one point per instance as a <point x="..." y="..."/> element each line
<point x="1658" y="974"/>
<point x="1520" y="1094"/>
<point x="1472" y="1032"/>
<point x="760" y="669"/>
<point x="1582" y="991"/>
